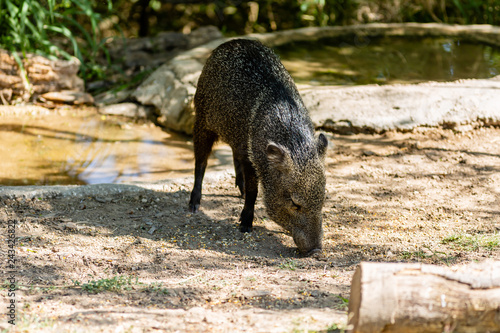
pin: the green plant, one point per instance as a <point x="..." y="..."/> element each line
<point x="492" y="243"/>
<point x="289" y="264"/>
<point x="476" y="11"/>
<point x="156" y="287"/>
<point x="115" y="283"/>
<point x="33" y="323"/>
<point x="420" y="254"/>
<point x="326" y="12"/>
<point x="51" y="28"/>
<point x="469" y="242"/>
<point x="333" y="328"/>
<point x="7" y="285"/>
<point x="313" y="10"/>
<point x="336" y="328"/>
<point x="344" y="302"/>
<point x="120" y="282"/>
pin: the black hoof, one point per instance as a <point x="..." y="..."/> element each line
<point x="245" y="228"/>
<point x="194" y="208"/>
<point x="315" y="253"/>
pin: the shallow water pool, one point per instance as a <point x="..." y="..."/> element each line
<point x="388" y="61"/>
<point x="80" y="146"/>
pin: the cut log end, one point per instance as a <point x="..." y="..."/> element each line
<point x="387" y="297"/>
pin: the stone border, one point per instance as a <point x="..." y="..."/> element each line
<point x="474" y="33"/>
<point x="103" y="192"/>
<point x="460" y="105"/>
<point x="170" y="89"/>
<point x="79" y="191"/>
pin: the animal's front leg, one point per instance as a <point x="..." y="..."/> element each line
<point x="251" y="188"/>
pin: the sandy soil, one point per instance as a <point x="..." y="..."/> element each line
<point x="141" y="263"/>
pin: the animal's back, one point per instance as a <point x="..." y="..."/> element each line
<point x="241" y="77"/>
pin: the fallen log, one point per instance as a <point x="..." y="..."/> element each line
<point x="390" y="297"/>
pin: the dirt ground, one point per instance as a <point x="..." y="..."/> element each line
<point x="140" y="262"/>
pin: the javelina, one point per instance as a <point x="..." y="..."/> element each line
<point x="246" y="98"/>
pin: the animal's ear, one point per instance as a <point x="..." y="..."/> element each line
<point x="279" y="157"/>
<point x="321" y="145"/>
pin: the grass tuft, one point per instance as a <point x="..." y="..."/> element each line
<point x="116" y="283"/>
<point x="468" y="242"/>
<point x="289" y="264"/>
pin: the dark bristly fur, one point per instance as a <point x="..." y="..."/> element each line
<point x="245" y="97"/>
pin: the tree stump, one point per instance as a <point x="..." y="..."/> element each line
<point x="390" y="297"/>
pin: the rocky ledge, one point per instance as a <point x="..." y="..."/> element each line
<point x="170" y="89"/>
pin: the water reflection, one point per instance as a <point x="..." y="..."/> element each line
<point x="388" y="61"/>
<point x="83" y="147"/>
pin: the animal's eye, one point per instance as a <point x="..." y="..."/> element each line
<point x="295" y="206"/>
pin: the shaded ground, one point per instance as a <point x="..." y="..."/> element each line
<point x="140" y="262"/>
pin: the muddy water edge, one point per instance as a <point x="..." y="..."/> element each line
<point x="72" y="145"/>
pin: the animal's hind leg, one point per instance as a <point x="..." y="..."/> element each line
<point x="238" y="169"/>
<point x="203" y="143"/>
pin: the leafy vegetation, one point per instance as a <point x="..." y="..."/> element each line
<point x="55" y="29"/>
<point x="238" y="17"/>
<point x="79" y="28"/>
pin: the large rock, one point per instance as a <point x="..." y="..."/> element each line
<point x="171" y="88"/>
<point x="403" y="107"/>
<point x="68" y="97"/>
<point x="44" y="75"/>
<point x="129" y="110"/>
<point x="153" y="51"/>
<point x="373" y="108"/>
